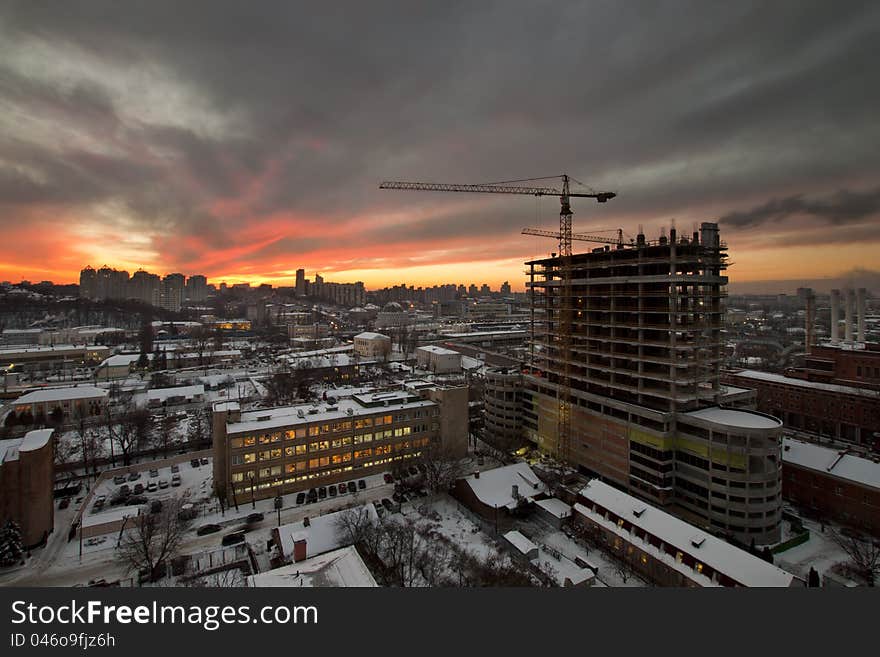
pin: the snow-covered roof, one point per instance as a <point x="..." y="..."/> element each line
<point x="59" y="349"/>
<point x="831" y="461"/>
<point x="735" y="418"/>
<point x="35" y="439"/>
<point x="555" y="507"/>
<point x="563" y="570"/>
<point x="274" y="418"/>
<point x="117" y="514"/>
<point x="161" y="394"/>
<point x="440" y="351"/>
<point x="322" y="533"/>
<point x="122" y="360"/>
<point x="741" y="566"/>
<point x="61" y="394"/>
<point x="369" y="335"/>
<point x="802" y="383"/>
<point x="495" y="487"/>
<point x="339" y="568"/>
<point x="520" y="542"/>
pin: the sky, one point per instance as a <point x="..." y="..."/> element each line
<point x="246" y="140"/>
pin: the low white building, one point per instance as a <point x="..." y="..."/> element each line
<point x="178" y="395"/>
<point x="74" y="401"/>
<point x="438" y="359"/>
<point x="371" y="345"/>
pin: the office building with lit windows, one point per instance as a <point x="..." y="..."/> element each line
<point x="276" y="451"/>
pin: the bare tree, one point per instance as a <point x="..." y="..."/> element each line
<point x="442" y="467"/>
<point x="863" y="553"/>
<point x="153" y="539"/>
<point x="132" y="428"/>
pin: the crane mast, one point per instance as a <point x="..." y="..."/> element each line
<point x="563" y="301"/>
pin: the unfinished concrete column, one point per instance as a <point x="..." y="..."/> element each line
<point x="861" y="310"/>
<point x="848" y="315"/>
<point x="835" y="316"/>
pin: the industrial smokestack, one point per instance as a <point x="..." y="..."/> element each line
<point x="835" y="316"/>
<point x="848" y="315"/>
<point x="861" y="310"/>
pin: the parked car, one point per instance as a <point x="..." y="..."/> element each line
<point x="387" y="504"/>
<point x="362" y="484"/>
<point x="313" y="495"/>
<point x="134" y="476"/>
<point x="331" y="490"/>
<point x="352" y="487"/>
<point x="207" y="529"/>
<point x="175" y="468"/>
<point x="125" y="489"/>
<point x="254" y="517"/>
<point x="388" y="478"/>
<point x="138" y="489"/>
<point x="156" y="506"/>
<point x="119" y="479"/>
<point x="152" y="487"/>
<point x="137" y="499"/>
<point x="300" y="498"/>
<point x="204" y="460"/>
<point x="342" y="488"/>
<point x="194" y="463"/>
<point x="154" y="473"/>
<point x="175" y="480"/>
<point x="322" y="492"/>
<point x="233" y="538"/>
<point x="163" y="483"/>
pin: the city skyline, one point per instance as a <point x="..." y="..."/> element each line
<point x="205" y="161"/>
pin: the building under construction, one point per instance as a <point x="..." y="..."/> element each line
<point x="626" y="341"/>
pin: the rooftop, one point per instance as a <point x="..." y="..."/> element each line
<point x="802" y="383"/>
<point x="735" y="418"/>
<point x="32" y="440"/>
<point x="61" y="394"/>
<point x="495" y="487"/>
<point x="275" y="418"/>
<point x="339" y="568"/>
<point x="739" y="565"/>
<point x="321" y="534"/>
<point x="831" y="461"/>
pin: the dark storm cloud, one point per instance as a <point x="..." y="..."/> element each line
<point x="673" y="105"/>
<point x="842" y="207"/>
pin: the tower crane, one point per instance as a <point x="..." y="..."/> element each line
<point x="564" y="300"/>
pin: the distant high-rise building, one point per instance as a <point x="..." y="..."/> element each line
<point x="197" y="288"/>
<point x="87" y="283"/>
<point x="300" y="282"/>
<point x="145" y="287"/>
<point x="485" y="290"/>
<point x="173" y="286"/>
<point x="505" y="289"/>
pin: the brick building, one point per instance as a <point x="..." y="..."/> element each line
<point x="832" y="483"/>
<point x="27" y="476"/>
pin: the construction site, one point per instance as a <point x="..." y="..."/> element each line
<point x="623" y="376"/>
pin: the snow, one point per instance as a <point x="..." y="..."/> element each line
<point x="735" y="418"/>
<point x="61" y="394"/>
<point x="739" y="565"/>
<point x="440" y="351"/>
<point x="520" y="542"/>
<point x="339" y="568"/>
<point x="163" y="394"/>
<point x="275" y="418"/>
<point x="495" y="487"/>
<point x="369" y="335"/>
<point x="563" y="571"/>
<point x="321" y="535"/>
<point x="845" y="466"/>
<point x="801" y="383"/>
<point x="555" y="507"/>
<point x="34" y="440"/>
